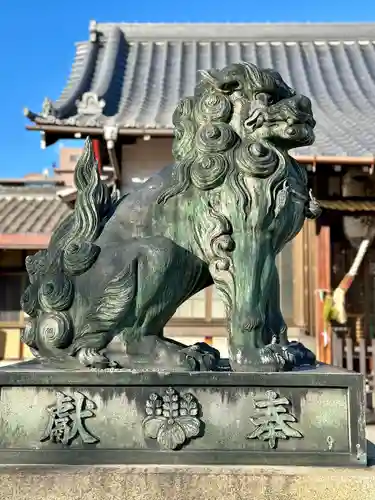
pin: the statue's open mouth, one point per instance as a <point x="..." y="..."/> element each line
<point x="261" y="117"/>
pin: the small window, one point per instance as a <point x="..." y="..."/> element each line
<point x="74" y="158"/>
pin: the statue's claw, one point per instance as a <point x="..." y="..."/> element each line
<point x="201" y="357"/>
<point x="93" y="359"/>
<point x="288" y="356"/>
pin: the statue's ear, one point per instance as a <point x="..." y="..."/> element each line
<point x="218" y="80"/>
<point x="210" y="76"/>
<point x="273" y="73"/>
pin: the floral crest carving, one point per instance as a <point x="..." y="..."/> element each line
<point x="172" y="419"/>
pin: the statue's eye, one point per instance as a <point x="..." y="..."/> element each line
<point x="266" y="99"/>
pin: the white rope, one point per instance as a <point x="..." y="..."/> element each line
<point x="359" y="257"/>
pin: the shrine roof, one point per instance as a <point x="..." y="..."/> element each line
<point x="131" y="76"/>
<point x="29" y="214"/>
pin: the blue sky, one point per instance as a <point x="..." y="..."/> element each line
<point x="37" y="48"/>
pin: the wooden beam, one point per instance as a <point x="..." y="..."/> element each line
<point x="351" y="199"/>
<point x="323" y="283"/>
<point x="4" y="271"/>
<point x="32" y="241"/>
<point x="67" y="130"/>
<point x="114" y="162"/>
<point x="336" y="160"/>
<point x="168" y="132"/>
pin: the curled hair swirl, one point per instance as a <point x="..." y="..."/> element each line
<point x="209" y="172"/>
<point x="215" y="137"/>
<point x="29" y="301"/>
<point x="203" y="140"/>
<point x="56" y="293"/>
<point x="79" y="257"/>
<point x="55" y="330"/>
<point x="213" y="106"/>
<point x="221" y="244"/>
<point x="29" y="332"/>
<point x="36" y="264"/>
<point x="185" y="129"/>
<point x="257" y="159"/>
<point x="213" y="140"/>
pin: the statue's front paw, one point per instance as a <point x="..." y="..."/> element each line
<point x="201" y="357"/>
<point x="298" y="355"/>
<point x="288" y="356"/>
<point x="91" y="358"/>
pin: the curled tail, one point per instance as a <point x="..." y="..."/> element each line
<point x="71" y="252"/>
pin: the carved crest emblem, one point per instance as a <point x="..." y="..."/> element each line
<point x="172" y="419"/>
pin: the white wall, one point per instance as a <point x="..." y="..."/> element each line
<point x="144" y="158"/>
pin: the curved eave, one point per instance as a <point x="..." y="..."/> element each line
<point x="77" y="83"/>
<point x="79" y="80"/>
<point x="92" y="79"/>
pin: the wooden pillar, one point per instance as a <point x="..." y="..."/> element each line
<point x="323" y="283"/>
<point x="21" y="351"/>
<point x="300" y="290"/>
<point x="96" y="148"/>
<point x="208" y="304"/>
<point x="208" y="311"/>
<point x="309" y="249"/>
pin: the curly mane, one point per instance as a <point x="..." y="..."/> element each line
<point x="209" y="153"/>
<point x="204" y="142"/>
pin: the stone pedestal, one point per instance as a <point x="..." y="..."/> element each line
<point x="186" y="483"/>
<point x="307" y="417"/>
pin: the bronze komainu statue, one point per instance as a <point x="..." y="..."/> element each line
<point x="219" y="215"/>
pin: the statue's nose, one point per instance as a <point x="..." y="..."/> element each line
<point x="304" y="104"/>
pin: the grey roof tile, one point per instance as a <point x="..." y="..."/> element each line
<point x="142" y="70"/>
<point x="25" y="211"/>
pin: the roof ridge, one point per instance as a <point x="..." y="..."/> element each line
<point x="243" y="31"/>
<point x="229" y="23"/>
<point x="28" y="196"/>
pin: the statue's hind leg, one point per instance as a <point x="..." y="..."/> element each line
<point x="167" y="276"/>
